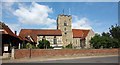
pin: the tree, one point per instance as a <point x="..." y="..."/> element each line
<point x="106" y="34"/>
<point x="110" y="39"/>
<point x="106" y="41"/>
<point x="96" y="41"/>
<point x="115" y="32"/>
<point x="41" y="44"/>
<point x="44" y="44"/>
<point x="116" y="43"/>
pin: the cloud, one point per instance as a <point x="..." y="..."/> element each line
<point x="82" y="23"/>
<point x="8" y="8"/>
<point x="35" y="14"/>
<point x="8" y="5"/>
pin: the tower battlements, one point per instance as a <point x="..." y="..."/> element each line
<point x="64" y="15"/>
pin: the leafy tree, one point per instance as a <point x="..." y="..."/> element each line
<point x="44" y="44"/>
<point x="106" y="41"/>
<point x="106" y="34"/>
<point x="110" y="39"/>
<point x="116" y="43"/>
<point x="41" y="44"/>
<point x="96" y="41"/>
<point x="115" y="32"/>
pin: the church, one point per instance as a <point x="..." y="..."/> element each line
<point x="62" y="36"/>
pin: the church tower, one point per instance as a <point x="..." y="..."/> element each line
<point x="64" y="23"/>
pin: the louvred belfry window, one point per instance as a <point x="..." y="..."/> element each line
<point x="65" y="24"/>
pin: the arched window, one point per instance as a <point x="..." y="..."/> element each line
<point x="65" y="29"/>
<point x="55" y="40"/>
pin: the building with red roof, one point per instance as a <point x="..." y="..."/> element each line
<point x="62" y="36"/>
<point x="8" y="38"/>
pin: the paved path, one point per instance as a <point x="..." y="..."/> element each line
<point x="84" y="59"/>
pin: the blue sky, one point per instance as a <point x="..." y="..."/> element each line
<point x="98" y="16"/>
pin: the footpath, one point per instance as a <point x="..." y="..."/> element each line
<point x="38" y="59"/>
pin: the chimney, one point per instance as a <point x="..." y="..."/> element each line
<point x="15" y="32"/>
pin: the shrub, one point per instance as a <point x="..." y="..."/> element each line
<point x="69" y="46"/>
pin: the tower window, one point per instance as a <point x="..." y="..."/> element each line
<point x="65" y="29"/>
<point x="65" y="24"/>
<point x="65" y="33"/>
<point x="69" y="19"/>
<point x="66" y="40"/>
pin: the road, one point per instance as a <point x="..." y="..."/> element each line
<point x="85" y="59"/>
<point x="105" y="60"/>
<point x="111" y="59"/>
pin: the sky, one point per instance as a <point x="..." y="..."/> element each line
<point x="98" y="16"/>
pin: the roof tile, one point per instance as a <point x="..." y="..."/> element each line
<point x="35" y="32"/>
<point x="80" y="33"/>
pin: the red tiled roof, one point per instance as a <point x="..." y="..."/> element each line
<point x="85" y="32"/>
<point x="7" y="30"/>
<point x="77" y="33"/>
<point x="34" y="32"/>
<point x="80" y="33"/>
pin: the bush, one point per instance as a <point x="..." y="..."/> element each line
<point x="69" y="46"/>
<point x="28" y="46"/>
<point x="44" y="44"/>
<point x="41" y="45"/>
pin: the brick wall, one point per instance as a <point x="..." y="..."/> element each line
<point x="21" y="53"/>
<point x="25" y="53"/>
